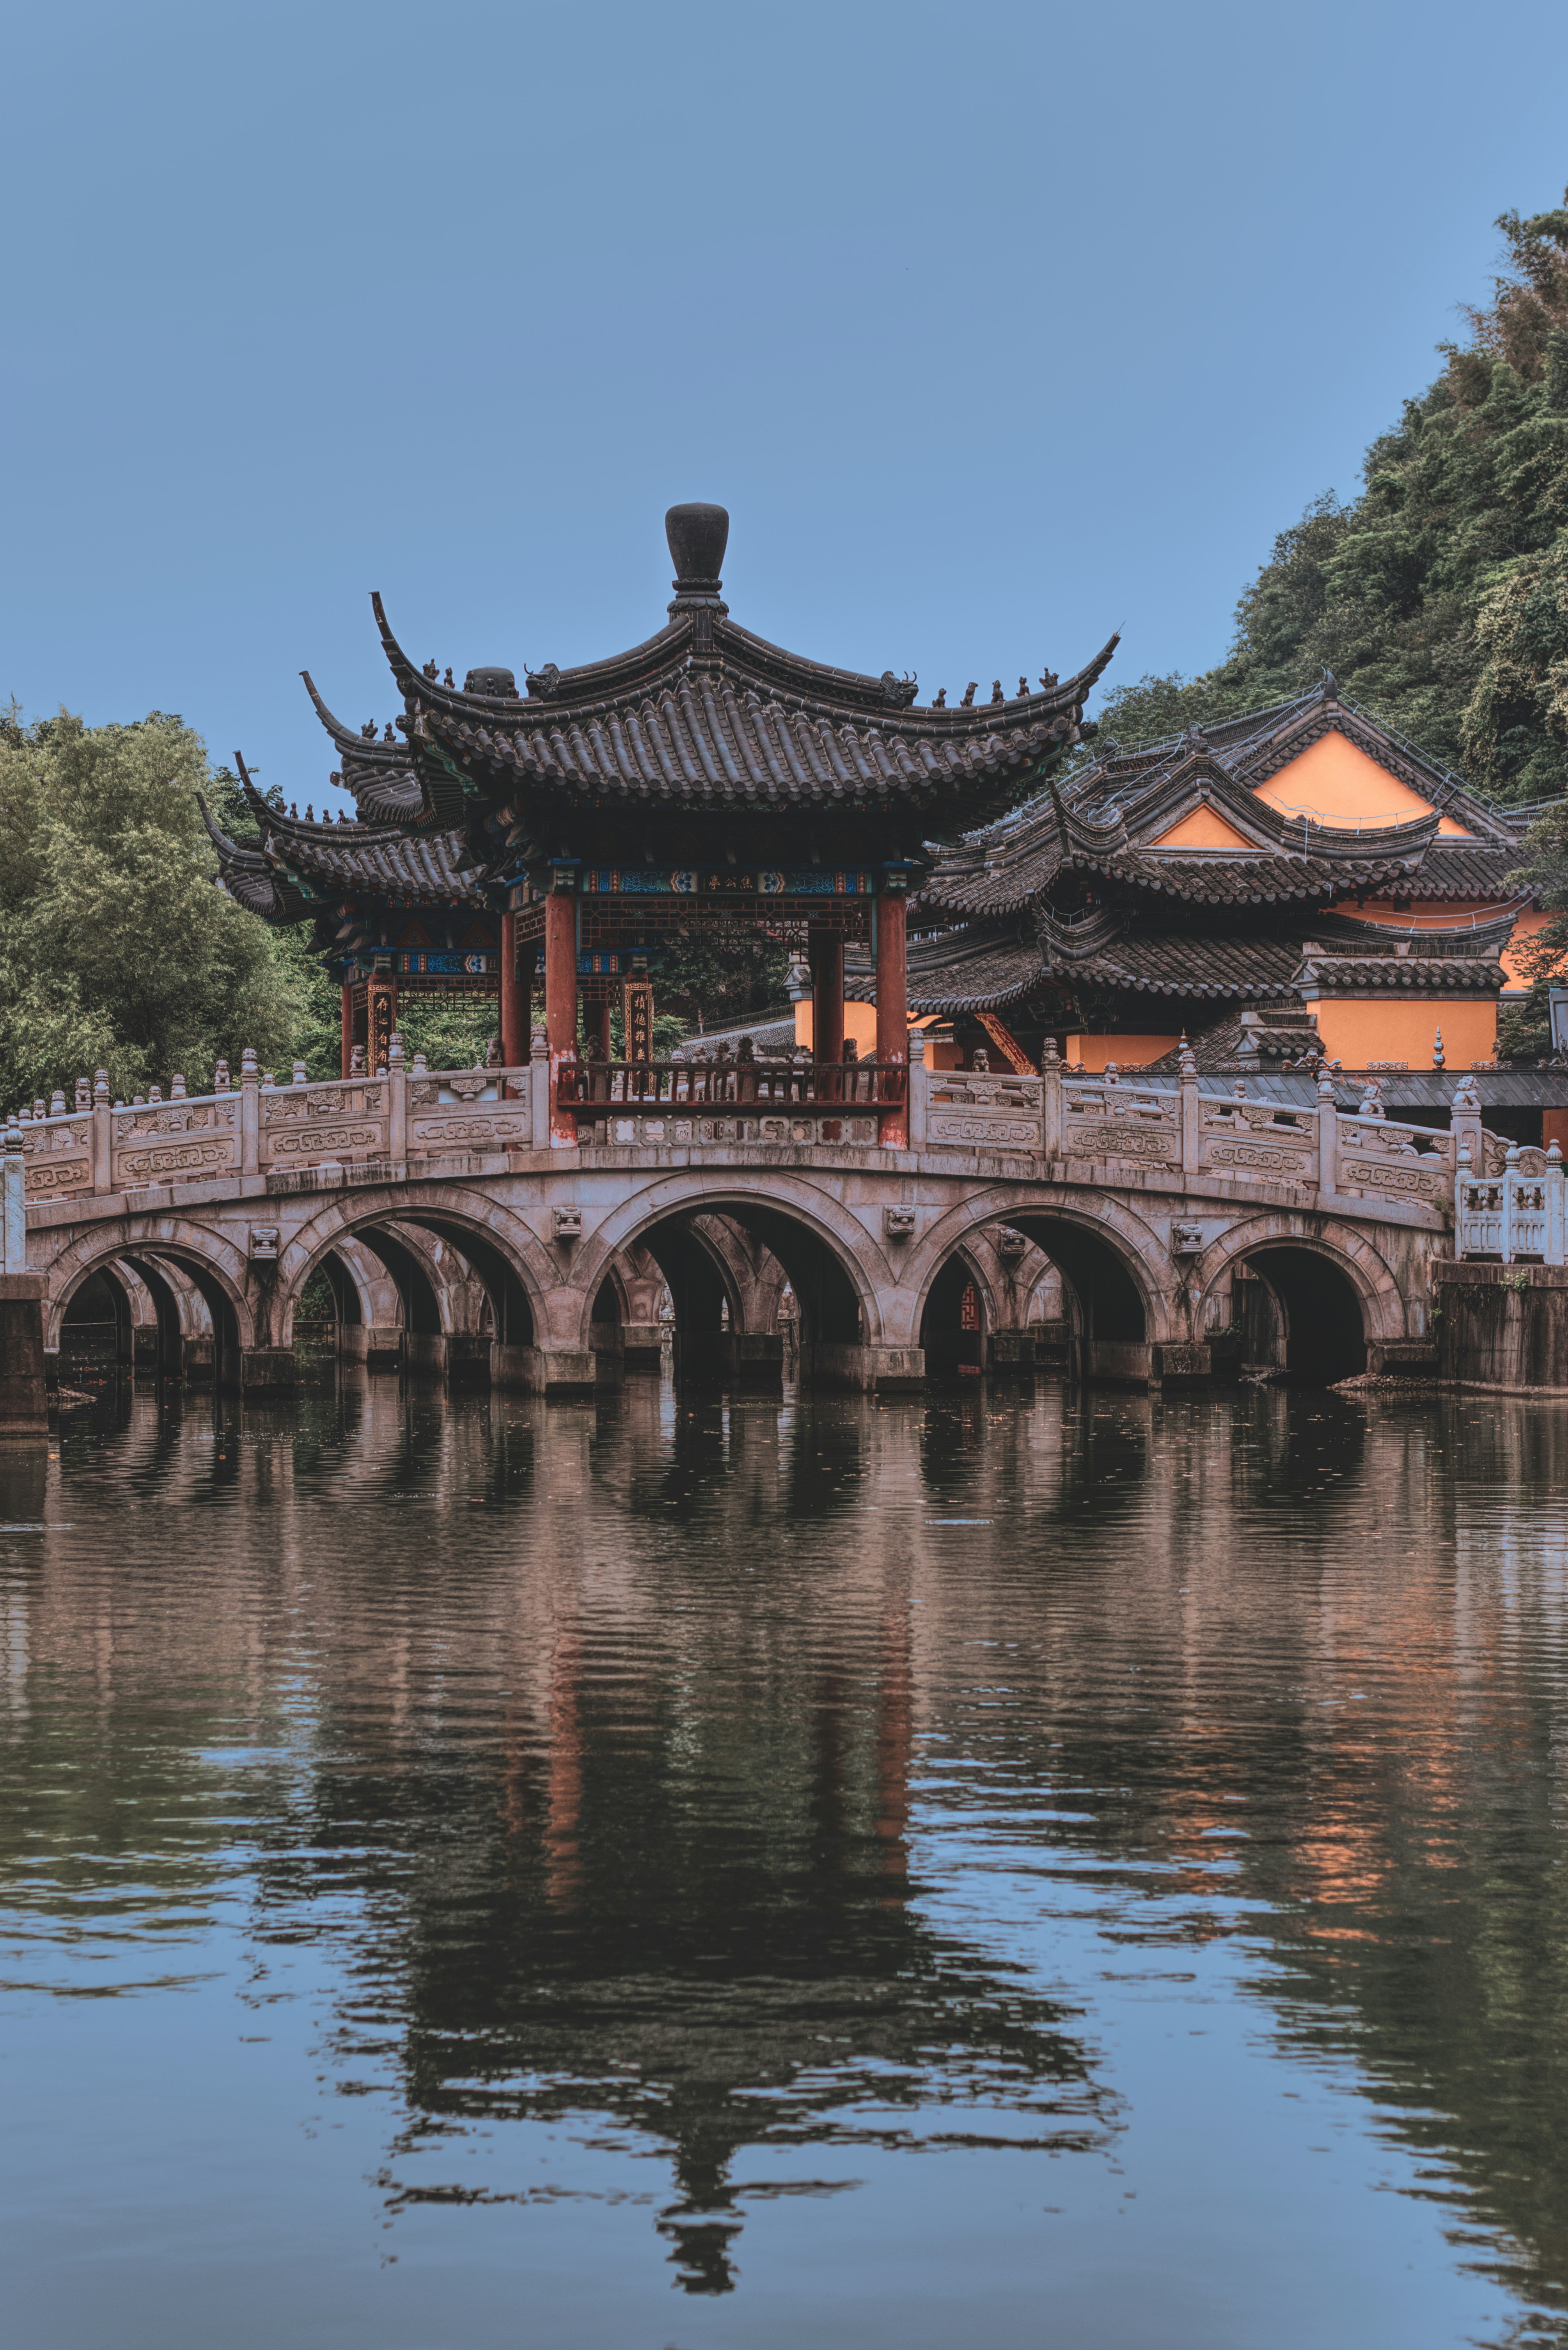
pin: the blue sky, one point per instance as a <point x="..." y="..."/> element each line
<point x="996" y="327"/>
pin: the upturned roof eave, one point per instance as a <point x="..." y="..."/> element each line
<point x="595" y="689"/>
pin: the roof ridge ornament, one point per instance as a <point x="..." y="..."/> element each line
<point x="697" y="536"/>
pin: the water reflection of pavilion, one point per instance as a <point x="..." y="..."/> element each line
<point x="672" y="1896"/>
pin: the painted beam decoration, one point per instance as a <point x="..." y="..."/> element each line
<point x="712" y="881"/>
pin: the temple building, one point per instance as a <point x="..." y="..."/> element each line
<point x="550" y="841"/>
<point x="1296" y="884"/>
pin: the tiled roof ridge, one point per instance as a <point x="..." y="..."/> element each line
<point x="601" y="689"/>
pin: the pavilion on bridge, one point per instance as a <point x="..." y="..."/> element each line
<point x="554" y="839"/>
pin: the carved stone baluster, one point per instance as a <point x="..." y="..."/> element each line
<point x="250" y="1113"/>
<point x="1190" y="1112"/>
<point x="1327" y="1133"/>
<point x="103" y="1136"/>
<point x="919" y="1089"/>
<point x="539" y="1089"/>
<point x="1509" y="1187"/>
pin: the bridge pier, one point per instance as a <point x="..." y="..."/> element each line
<point x="24" y="1404"/>
<point x="642" y="1348"/>
<point x="543" y="1370"/>
<point x="862" y="1369"/>
<point x="267" y="1371"/>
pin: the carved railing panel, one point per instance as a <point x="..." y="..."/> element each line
<point x="970" y="1109"/>
<point x="1111" y="1120"/>
<point x="339" y="1121"/>
<point x="173" y="1141"/>
<point x="1394" y="1162"/>
<point x="1242" y="1138"/>
<point x="472" y="1110"/>
<point x="974" y="1110"/>
<point x="56" y="1156"/>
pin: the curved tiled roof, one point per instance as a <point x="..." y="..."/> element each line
<point x="1452" y="974"/>
<point x="986" y="966"/>
<point x="971" y="975"/>
<point x="708" y="718"/>
<point x="381" y="776"/>
<point x="297" y="864"/>
<point x="1109" y="819"/>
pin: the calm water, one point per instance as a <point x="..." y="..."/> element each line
<point x="1041" y="1870"/>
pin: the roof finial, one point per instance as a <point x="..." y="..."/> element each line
<point x="697" y="536"/>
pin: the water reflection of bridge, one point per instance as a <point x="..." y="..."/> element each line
<point x="627" y="1828"/>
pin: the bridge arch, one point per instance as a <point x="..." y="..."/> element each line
<point x="830" y="1259"/>
<point x="1114" y="1266"/>
<point x="212" y="1261"/>
<point x="1333" y="1291"/>
<point x="496" y="1245"/>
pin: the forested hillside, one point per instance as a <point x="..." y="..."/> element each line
<point x="1439" y="598"/>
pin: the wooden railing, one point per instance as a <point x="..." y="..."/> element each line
<point x="872" y="1084"/>
<point x="756" y="1100"/>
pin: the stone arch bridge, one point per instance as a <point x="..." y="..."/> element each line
<point x="1142" y="1231"/>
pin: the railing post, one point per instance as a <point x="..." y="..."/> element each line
<point x="1050" y="1100"/>
<point x="14" y="1217"/>
<point x="1463" y="1174"/>
<point x="1466" y="1122"/>
<point x="398" y="1105"/>
<point x="539" y="1089"/>
<point x="1191" y="1112"/>
<point x="917" y="1086"/>
<point x="1510" y="1185"/>
<point x="1556" y="1250"/>
<point x="250" y="1113"/>
<point x="1327" y="1133"/>
<point x="103" y="1136"/>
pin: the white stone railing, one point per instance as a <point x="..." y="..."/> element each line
<point x="1514" y="1212"/>
<point x="409" y="1116"/>
<point x="974" y="1111"/>
<point x="257" y="1127"/>
<point x="1108" y="1119"/>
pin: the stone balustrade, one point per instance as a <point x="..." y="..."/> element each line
<point x="1504" y="1203"/>
<point x="1515" y="1212"/>
<point x="260" y="1128"/>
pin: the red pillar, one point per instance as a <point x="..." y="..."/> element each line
<point x="826" y="949"/>
<point x="513" y="1000"/>
<point x="348" y="1027"/>
<point x="561" y="996"/>
<point x="892" y="1014"/>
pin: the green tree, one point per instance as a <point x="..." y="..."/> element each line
<point x="116" y="950"/>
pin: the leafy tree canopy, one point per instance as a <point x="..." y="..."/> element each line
<point x="116" y="951"/>
<point x="1439" y="597"/>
